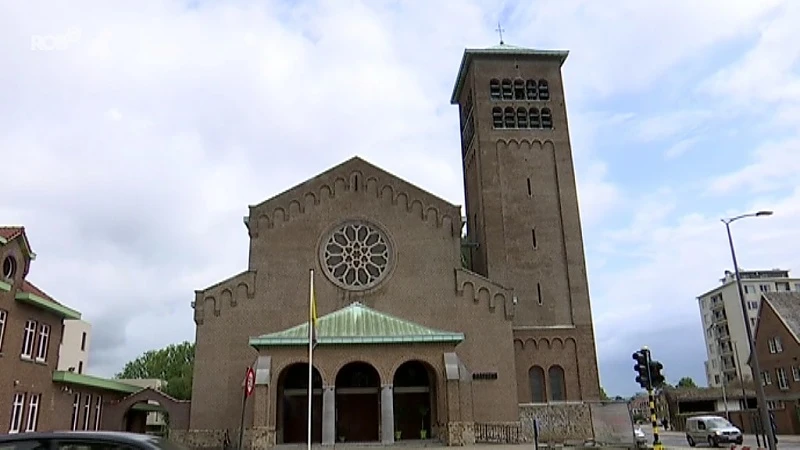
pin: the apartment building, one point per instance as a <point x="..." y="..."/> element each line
<point x="778" y="349"/>
<point x="73" y="353"/>
<point x="723" y="321"/>
<point x="640" y="408"/>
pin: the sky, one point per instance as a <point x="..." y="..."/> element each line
<point x="135" y="135"/>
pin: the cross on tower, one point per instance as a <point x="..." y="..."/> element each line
<point x="500" y="31"/>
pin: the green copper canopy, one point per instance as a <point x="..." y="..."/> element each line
<point x="358" y="324"/>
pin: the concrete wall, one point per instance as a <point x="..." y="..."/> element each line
<point x="73" y="353"/>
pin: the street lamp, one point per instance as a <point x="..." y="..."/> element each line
<point x="762" y="402"/>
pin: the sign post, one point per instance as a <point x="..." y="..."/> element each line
<point x="249" y="386"/>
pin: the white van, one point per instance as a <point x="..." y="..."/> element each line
<point x="712" y="430"/>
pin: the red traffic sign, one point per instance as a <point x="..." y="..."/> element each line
<point x="249" y="382"/>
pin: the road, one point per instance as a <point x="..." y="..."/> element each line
<point x="677" y="440"/>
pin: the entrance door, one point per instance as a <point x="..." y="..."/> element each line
<point x="292" y="407"/>
<point x="358" y="407"/>
<point x="295" y="417"/>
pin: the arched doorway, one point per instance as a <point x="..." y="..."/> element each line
<point x="358" y="408"/>
<point x="146" y="411"/>
<point x="147" y="417"/>
<point x="414" y="394"/>
<point x="292" y="408"/>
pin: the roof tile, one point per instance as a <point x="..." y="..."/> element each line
<point x="9" y="233"/>
<point x="30" y="288"/>
<point x="787" y="306"/>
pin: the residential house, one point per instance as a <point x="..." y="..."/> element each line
<point x="35" y="393"/>
<point x="640" y="408"/>
<point x="778" y="350"/>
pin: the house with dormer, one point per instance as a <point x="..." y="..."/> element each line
<point x="777" y="338"/>
<point x="43" y="384"/>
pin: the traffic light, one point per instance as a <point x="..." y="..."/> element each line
<point x="642" y="368"/>
<point x="656" y="377"/>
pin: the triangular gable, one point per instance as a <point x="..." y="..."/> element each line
<point x="8" y="234"/>
<point x="358" y="324"/>
<point x="786" y="307"/>
<point x="351" y="176"/>
<point x="358" y="164"/>
<point x="146" y="393"/>
<point x="764" y="304"/>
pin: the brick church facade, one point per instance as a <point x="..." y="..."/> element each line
<point x="425" y="331"/>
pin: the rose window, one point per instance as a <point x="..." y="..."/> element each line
<point x="356" y="255"/>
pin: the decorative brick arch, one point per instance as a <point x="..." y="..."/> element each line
<point x="326" y="379"/>
<point x="178" y="410"/>
<point x="383" y="376"/>
<point x="432" y="366"/>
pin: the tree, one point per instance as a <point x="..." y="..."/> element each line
<point x="603" y="395"/>
<point x="173" y="364"/>
<point x="686" y="382"/>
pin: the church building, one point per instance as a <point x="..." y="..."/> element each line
<point x="434" y="322"/>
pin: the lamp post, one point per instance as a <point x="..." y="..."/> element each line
<point x="741" y="377"/>
<point x="762" y="403"/>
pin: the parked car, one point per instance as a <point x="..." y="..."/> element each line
<point x="641" y="438"/>
<point x="713" y="430"/>
<point x="85" y="440"/>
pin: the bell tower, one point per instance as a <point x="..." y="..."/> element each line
<point x="523" y="222"/>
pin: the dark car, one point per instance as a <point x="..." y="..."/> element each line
<point x="85" y="440"/>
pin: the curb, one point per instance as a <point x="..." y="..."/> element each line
<point x="745" y="447"/>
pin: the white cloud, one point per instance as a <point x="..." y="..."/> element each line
<point x="678" y="258"/>
<point x="681" y="147"/>
<point x="138" y="146"/>
<point x="664" y="126"/>
<point x="775" y="165"/>
<point x="624" y="48"/>
<point x="768" y="72"/>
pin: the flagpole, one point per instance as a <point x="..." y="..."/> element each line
<point x="310" y="351"/>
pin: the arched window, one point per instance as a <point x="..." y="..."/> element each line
<point x="508" y="93"/>
<point x="497" y="117"/>
<point x="519" y="89"/>
<point x="544" y="90"/>
<point x="494" y="89"/>
<point x="522" y="118"/>
<point x="530" y="90"/>
<point x="533" y="118"/>
<point x="510" y="118"/>
<point x="547" y="118"/>
<point x="558" y="388"/>
<point x="538" y="388"/>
